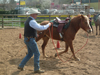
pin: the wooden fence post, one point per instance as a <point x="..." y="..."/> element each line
<point x="49" y="17"/>
<point x="2" y="22"/>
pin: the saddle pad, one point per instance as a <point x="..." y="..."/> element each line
<point x="54" y="23"/>
<point x="67" y="25"/>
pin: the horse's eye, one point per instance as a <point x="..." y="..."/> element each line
<point x="85" y="22"/>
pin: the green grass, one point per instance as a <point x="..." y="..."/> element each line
<point x="22" y="25"/>
<point x="94" y="5"/>
<point x="1" y="10"/>
<point x="93" y="24"/>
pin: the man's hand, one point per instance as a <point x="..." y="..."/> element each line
<point x="50" y="23"/>
<point x="37" y="35"/>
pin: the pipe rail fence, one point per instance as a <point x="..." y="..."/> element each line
<point x="20" y="18"/>
<point x="11" y="19"/>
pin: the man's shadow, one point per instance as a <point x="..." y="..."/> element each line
<point x="45" y="64"/>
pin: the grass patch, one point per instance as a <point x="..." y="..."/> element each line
<point x="94" y="5"/>
<point x="22" y="25"/>
<point x="93" y="24"/>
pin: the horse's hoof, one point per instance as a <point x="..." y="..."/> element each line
<point x="56" y="55"/>
<point x="77" y="59"/>
<point x="26" y="53"/>
<point x="45" y="56"/>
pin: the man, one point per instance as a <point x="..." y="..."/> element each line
<point x="90" y="20"/>
<point x="30" y="32"/>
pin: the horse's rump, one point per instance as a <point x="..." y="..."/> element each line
<point x="44" y="22"/>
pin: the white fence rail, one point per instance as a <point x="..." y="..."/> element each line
<point x="10" y="22"/>
<point x="14" y="18"/>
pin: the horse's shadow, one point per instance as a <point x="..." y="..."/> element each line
<point x="45" y="64"/>
<point x="16" y="73"/>
<point x="90" y="36"/>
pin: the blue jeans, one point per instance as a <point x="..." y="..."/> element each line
<point x="32" y="49"/>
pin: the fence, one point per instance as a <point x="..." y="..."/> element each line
<point x="15" y="20"/>
<point x="7" y="22"/>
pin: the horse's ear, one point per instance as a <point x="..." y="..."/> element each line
<point x="82" y="16"/>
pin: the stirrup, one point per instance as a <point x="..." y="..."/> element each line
<point x="62" y="39"/>
<point x="60" y="35"/>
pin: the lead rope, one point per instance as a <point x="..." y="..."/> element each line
<point x="20" y="50"/>
<point x="51" y="34"/>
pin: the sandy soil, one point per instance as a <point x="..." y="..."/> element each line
<point x="89" y="63"/>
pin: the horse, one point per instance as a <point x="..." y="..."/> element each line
<point x="96" y="19"/>
<point x="79" y="21"/>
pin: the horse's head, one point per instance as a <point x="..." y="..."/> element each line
<point x="84" y="24"/>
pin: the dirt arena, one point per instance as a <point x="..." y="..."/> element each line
<point x="89" y="63"/>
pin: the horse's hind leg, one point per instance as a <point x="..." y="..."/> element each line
<point x="40" y="35"/>
<point x="45" y="41"/>
<point x="99" y="29"/>
<point x="66" y="49"/>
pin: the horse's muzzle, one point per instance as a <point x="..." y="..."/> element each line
<point x="89" y="30"/>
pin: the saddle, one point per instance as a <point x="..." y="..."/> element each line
<point x="61" y="23"/>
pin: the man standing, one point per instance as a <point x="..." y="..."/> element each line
<point x="30" y="32"/>
<point x="90" y="20"/>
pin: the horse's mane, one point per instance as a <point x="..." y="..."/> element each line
<point x="44" y="22"/>
<point x="79" y="15"/>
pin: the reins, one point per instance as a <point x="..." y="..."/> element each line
<point x="51" y="34"/>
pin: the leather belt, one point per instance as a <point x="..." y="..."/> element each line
<point x="29" y="38"/>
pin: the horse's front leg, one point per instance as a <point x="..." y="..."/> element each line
<point x="72" y="50"/>
<point x="45" y="41"/>
<point x="66" y="49"/>
<point x="96" y="29"/>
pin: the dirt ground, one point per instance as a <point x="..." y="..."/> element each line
<point x="89" y="55"/>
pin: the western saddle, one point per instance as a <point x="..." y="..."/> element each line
<point x="61" y="23"/>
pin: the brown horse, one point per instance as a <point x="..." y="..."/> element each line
<point x="76" y="23"/>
